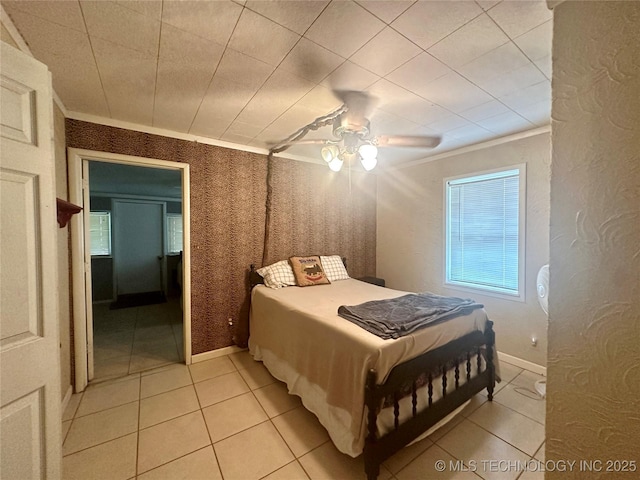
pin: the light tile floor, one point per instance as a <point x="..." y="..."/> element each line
<point x="228" y="418"/>
<point x="131" y="340"/>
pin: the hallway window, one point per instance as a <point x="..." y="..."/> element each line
<point x="484" y="230"/>
<point x="174" y="233"/>
<point x="100" y="233"/>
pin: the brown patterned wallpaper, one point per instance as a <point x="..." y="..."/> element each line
<point x="313" y="211"/>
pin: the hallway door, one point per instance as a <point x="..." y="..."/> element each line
<point x="30" y="418"/>
<point x="138" y="246"/>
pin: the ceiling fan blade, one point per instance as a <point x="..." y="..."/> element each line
<point x="304" y="141"/>
<point x="415" y="141"/>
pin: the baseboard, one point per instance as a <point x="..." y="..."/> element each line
<point x="518" y="362"/>
<point x="65" y="400"/>
<point x="220" y="352"/>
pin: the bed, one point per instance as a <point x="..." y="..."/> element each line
<point x="373" y="396"/>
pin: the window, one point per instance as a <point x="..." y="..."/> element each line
<point x="484" y="225"/>
<point x="174" y="233"/>
<point x="100" y="233"/>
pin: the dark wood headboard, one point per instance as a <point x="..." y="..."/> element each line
<point x="256" y="279"/>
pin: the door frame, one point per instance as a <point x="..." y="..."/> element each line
<point x="81" y="268"/>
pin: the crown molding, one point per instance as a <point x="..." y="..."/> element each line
<point x="476" y="146"/>
<point x="110" y="122"/>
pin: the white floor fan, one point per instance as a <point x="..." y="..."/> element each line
<point x="542" y="284"/>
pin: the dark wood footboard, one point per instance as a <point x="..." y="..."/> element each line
<point x="472" y="351"/>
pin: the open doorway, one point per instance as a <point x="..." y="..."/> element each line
<point x="130" y="256"/>
<point x="135" y="241"/>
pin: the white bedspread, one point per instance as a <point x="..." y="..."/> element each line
<point x="324" y="359"/>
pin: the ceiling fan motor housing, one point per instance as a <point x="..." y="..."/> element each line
<point x="345" y="126"/>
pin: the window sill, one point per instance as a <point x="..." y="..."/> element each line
<point x="520" y="298"/>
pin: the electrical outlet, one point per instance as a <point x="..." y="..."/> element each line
<point x="534" y="342"/>
<point x="231" y="322"/>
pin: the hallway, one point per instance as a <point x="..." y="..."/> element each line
<point x="131" y="340"/>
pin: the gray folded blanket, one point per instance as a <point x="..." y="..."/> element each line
<point x="397" y="317"/>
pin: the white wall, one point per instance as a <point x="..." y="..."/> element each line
<point x="410" y="240"/>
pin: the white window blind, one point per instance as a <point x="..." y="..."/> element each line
<point x="482" y="232"/>
<point x="100" y="233"/>
<point x="174" y="233"/>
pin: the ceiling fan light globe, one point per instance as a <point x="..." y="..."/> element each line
<point x="329" y="153"/>
<point x="369" y="163"/>
<point x="368" y="151"/>
<point x="336" y="164"/>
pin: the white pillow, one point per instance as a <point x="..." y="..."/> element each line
<point x="279" y="274"/>
<point x="334" y="268"/>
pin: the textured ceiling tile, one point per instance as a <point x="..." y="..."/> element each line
<point x="311" y="61"/>
<point x="128" y="77"/>
<point x="243" y="129"/>
<point x="150" y="8"/>
<point x="293" y="119"/>
<point x="448" y="122"/>
<point x="487" y="4"/>
<point x="538" y="113"/>
<point x="385" y="52"/>
<point x="513" y="81"/>
<point x="418" y="72"/>
<point x="350" y="76"/>
<point x="422" y="111"/>
<point x="185" y="67"/>
<point x="120" y="25"/>
<point x="544" y="64"/>
<point x="335" y="28"/>
<point x="82" y="91"/>
<point x="540" y="92"/>
<point x="212" y="20"/>
<point x="503" y="59"/>
<point x="516" y="18"/>
<point x="320" y="98"/>
<point x="390" y="96"/>
<point x="386" y="123"/>
<point x="506" y="123"/>
<point x="224" y="100"/>
<point x="297" y="16"/>
<point x="469" y="42"/>
<point x="536" y="43"/>
<point x="43" y="36"/>
<point x="67" y="13"/>
<point x="243" y="69"/>
<point x="455" y="93"/>
<point x="386" y="10"/>
<point x="278" y="93"/>
<point x="236" y="138"/>
<point x="486" y="110"/>
<point x="474" y="132"/>
<point x="274" y="41"/>
<point x="426" y="23"/>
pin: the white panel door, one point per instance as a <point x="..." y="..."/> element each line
<point x="30" y="418"/>
<point x="138" y="246"/>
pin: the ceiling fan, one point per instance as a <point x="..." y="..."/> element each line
<point x="352" y="134"/>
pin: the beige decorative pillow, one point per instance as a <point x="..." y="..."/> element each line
<point x="308" y="271"/>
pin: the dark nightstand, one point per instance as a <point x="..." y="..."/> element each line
<point x="373" y="280"/>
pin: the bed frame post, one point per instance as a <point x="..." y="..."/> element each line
<point x="371" y="464"/>
<point x="490" y="337"/>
